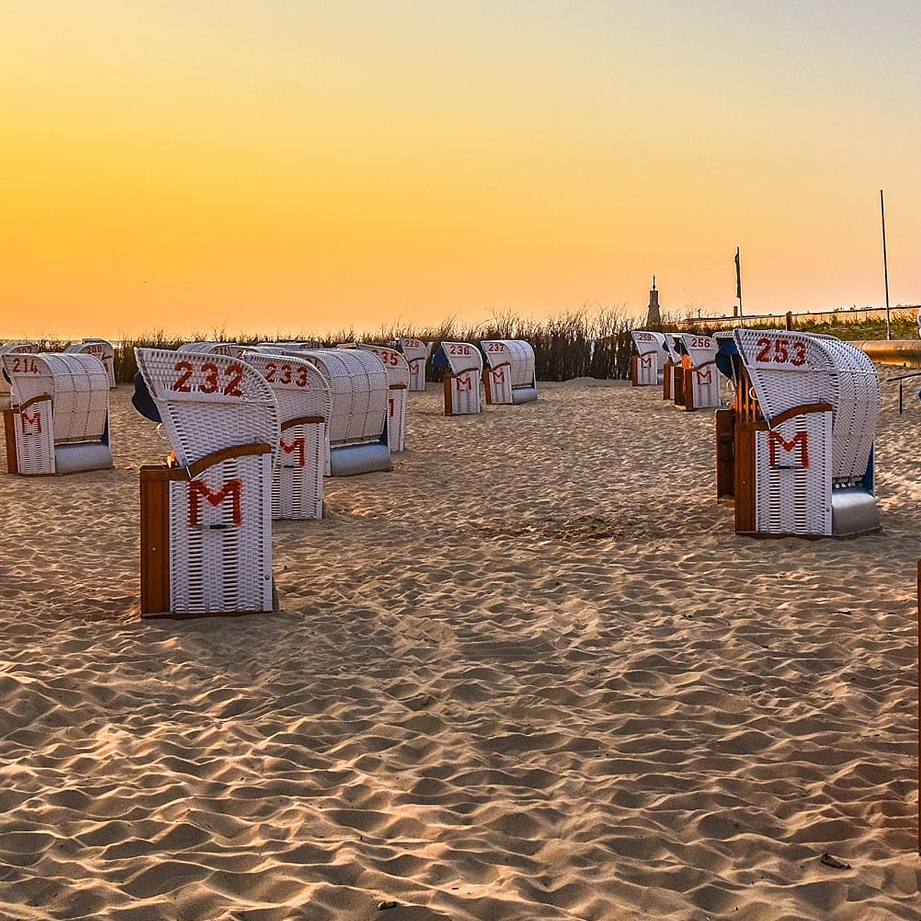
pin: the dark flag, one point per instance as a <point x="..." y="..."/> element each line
<point x="738" y="275"/>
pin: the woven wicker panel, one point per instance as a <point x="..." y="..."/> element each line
<point x="208" y="402"/>
<point x="499" y="379"/>
<point x="793" y="476"/>
<point x="102" y="349"/>
<point x="395" y="363"/>
<point x="34" y="431"/>
<point x="465" y="393"/>
<point x="703" y="377"/>
<point x="297" y="478"/>
<point x="818" y="368"/>
<point x="230" y="349"/>
<point x="359" y="389"/>
<point x="301" y="392"/>
<point x="517" y="353"/>
<point x="221" y="538"/>
<point x="15" y="348"/>
<point x="77" y="384"/>
<point x="416" y="353"/>
<point x="462" y="357"/>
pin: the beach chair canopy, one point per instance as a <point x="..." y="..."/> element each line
<point x="516" y="353"/>
<point x="414" y="349"/>
<point x="76" y="385"/>
<point x="791" y="369"/>
<point x="649" y="342"/>
<point x="459" y="357"/>
<point x="102" y="349"/>
<point x="299" y="386"/>
<point x="359" y="389"/>
<point x="206" y="402"/>
<point x="14" y="348"/>
<point x="394" y="361"/>
<point x="233" y="349"/>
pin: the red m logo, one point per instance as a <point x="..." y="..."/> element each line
<point x="33" y="419"/>
<point x="295" y="447"/>
<point x="199" y="490"/>
<point x="775" y="439"/>
<point x="646" y="360"/>
<point x="704" y="377"/>
<point x="464" y="383"/>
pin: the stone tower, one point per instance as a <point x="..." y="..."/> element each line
<point x="653" y="317"/>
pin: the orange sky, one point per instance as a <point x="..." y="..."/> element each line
<point x="283" y="166"/>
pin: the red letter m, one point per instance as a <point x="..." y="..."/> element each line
<point x="800" y="438"/>
<point x="295" y="447"/>
<point x="35" y="420"/>
<point x="197" y="490"/>
<point x="704" y="376"/>
<point x="464" y="383"/>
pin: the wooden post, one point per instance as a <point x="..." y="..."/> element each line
<point x="789" y="321"/>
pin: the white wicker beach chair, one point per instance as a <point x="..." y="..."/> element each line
<point x="102" y="349"/>
<point x="416" y="353"/>
<point x="13" y="348"/>
<point x="509" y="374"/>
<point x="647" y="364"/>
<point x="672" y="361"/>
<point x="59" y="416"/>
<point x="398" y="379"/>
<point x="808" y="406"/>
<point x="359" y="390"/>
<point x="304" y="409"/>
<point x="701" y="378"/>
<point x="206" y="522"/>
<point x="231" y="349"/>
<point x="464" y="364"/>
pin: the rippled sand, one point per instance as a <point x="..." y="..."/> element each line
<point x="529" y="674"/>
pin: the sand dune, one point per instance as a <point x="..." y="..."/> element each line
<point x="531" y="673"/>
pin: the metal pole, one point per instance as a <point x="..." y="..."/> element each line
<point x="882" y="211"/>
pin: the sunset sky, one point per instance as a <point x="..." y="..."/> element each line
<point x="285" y="166"/>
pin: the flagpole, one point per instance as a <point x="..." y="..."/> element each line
<point x="882" y="212"/>
<point x="739" y="281"/>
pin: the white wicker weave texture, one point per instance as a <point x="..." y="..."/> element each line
<point x="793" y="476"/>
<point x="703" y="377"/>
<point x="359" y="390"/>
<point x="209" y="402"/>
<point x="102" y="349"/>
<point x="302" y="393"/>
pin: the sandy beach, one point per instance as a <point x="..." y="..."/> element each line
<point x="531" y="673"/>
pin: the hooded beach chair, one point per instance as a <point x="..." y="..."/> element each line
<point x="463" y="364"/>
<point x="509" y="375"/>
<point x="647" y="364"/>
<point x="58" y="421"/>
<point x="206" y="516"/>
<point x="102" y="349"/>
<point x="304" y="409"/>
<point x="12" y="348"/>
<point x="802" y="424"/>
<point x="359" y="391"/>
<point x="701" y="380"/>
<point x="416" y="353"/>
<point x="231" y="349"/>
<point x="398" y="378"/>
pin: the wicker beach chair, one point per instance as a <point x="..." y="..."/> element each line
<point x="12" y="348"/>
<point x="206" y="516"/>
<point x="509" y="375"/>
<point x="58" y="421"/>
<point x="398" y="380"/>
<point x="646" y="366"/>
<point x="231" y="349"/>
<point x="304" y="409"/>
<point x="416" y="353"/>
<point x="463" y="363"/>
<point x="359" y="391"/>
<point x="802" y="424"/>
<point x="673" y="352"/>
<point x="102" y="349"/>
<point x="701" y="380"/>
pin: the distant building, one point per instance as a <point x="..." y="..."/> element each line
<point x="653" y="316"/>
